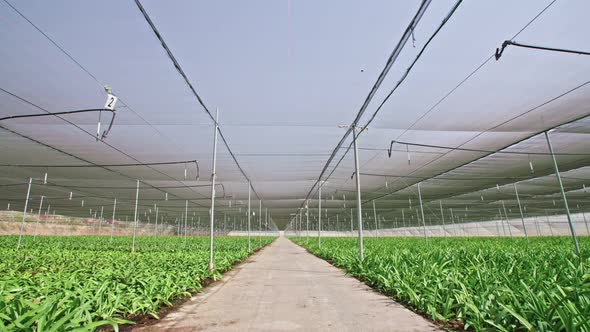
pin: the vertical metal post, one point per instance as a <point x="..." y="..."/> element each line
<point x="337" y="224"/>
<point x="375" y="216"/>
<point x="100" y="220"/>
<point x="22" y="226"/>
<point x="442" y="216"/>
<point x="213" y="178"/>
<point x="586" y="223"/>
<point x="501" y="222"/>
<point x="113" y="220"/>
<point x="506" y="215"/>
<point x="265" y="219"/>
<point x="38" y="217"/>
<point x="422" y="212"/>
<point x="548" y="223"/>
<point x="320" y="215"/>
<point x="351" y="223"/>
<point x="249" y="213"/>
<point x="135" y="217"/>
<point x="185" y="219"/>
<point x="156" y="225"/>
<point x="307" y="220"/>
<point x="259" y="222"/>
<point x="521" y="214"/>
<point x="453" y="222"/>
<point x="358" y="193"/>
<point x="567" y="209"/>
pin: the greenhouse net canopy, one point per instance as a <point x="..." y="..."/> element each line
<point x="288" y="78"/>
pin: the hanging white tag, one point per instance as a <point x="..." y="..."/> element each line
<point x="111" y="101"/>
<point x="70" y="195"/>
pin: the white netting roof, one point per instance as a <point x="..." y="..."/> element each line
<point x="284" y="76"/>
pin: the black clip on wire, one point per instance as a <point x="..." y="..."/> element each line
<point x="499" y="51"/>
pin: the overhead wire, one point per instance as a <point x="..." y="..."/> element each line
<point x="389" y="63"/>
<point x="404" y="76"/>
<point x="194" y="92"/>
<point x="471" y="74"/>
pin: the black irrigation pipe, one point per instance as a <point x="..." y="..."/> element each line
<point x="187" y="81"/>
<point x="111" y="165"/>
<point x="79" y="158"/>
<point x="101" y="165"/>
<point x="480" y="192"/>
<point x="390" y="61"/>
<point x="511" y="144"/>
<point x="11" y="117"/>
<point x="389" y="151"/>
<point x="83" y="130"/>
<point x="449" y="179"/>
<point x="500" y="51"/>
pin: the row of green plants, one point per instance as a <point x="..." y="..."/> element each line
<point x="83" y="282"/>
<point x="496" y="284"/>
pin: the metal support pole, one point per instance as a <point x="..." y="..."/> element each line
<point x="320" y="215"/>
<point x="156" y="225"/>
<point x="100" y="220"/>
<point x="185" y="219"/>
<point x="506" y="216"/>
<point x="351" y="222"/>
<point x="213" y="178"/>
<point x="567" y="209"/>
<point x="375" y="216"/>
<point x="307" y="221"/>
<point x="521" y="214"/>
<point x="113" y="220"/>
<point x="442" y="216"/>
<point x="259" y="222"/>
<point x="548" y="223"/>
<point x="453" y="222"/>
<point x="358" y="193"/>
<point x="422" y="213"/>
<point x="249" y="213"/>
<point x="22" y="226"/>
<point x="586" y="223"/>
<point x="135" y="217"/>
<point x="38" y="217"/>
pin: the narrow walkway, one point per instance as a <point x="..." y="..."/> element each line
<point x="285" y="288"/>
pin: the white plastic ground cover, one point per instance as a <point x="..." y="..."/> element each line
<point x="285" y="75"/>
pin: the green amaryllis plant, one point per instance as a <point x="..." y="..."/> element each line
<point x="496" y="284"/>
<point x="83" y="282"/>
